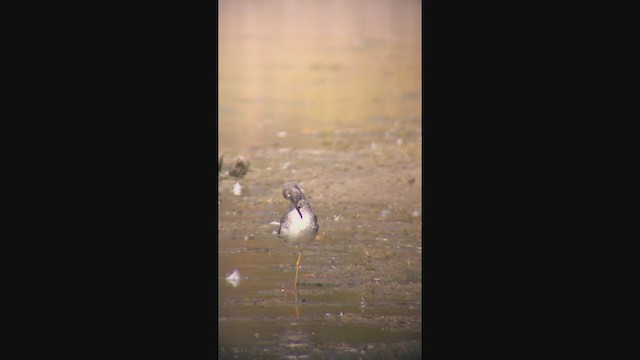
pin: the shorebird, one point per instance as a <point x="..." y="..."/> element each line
<point x="299" y="225"/>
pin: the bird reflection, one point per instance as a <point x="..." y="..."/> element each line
<point x="295" y="342"/>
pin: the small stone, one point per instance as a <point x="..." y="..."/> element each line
<point x="239" y="167"/>
<point x="237" y="189"/>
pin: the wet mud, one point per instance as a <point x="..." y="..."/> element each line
<point x="360" y="285"/>
<point x="326" y="94"/>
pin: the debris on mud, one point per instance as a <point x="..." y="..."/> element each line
<point x="239" y="167"/>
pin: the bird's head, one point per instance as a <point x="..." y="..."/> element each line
<point x="292" y="192"/>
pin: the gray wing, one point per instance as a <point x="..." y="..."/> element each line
<point x="315" y="222"/>
<point x="282" y="222"/>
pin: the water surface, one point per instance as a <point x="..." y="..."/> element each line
<point x="326" y="94"/>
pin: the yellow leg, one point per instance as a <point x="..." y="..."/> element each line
<point x="295" y="283"/>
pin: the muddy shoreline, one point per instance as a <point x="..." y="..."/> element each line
<point x="362" y="275"/>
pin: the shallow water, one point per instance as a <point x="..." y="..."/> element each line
<point x="326" y="94"/>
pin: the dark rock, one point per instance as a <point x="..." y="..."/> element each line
<point x="239" y="168"/>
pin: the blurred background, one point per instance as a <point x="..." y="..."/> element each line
<point x="316" y="65"/>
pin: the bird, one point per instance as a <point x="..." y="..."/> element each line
<point x="299" y="225"/>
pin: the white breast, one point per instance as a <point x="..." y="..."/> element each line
<point x="298" y="231"/>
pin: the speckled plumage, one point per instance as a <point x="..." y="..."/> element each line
<point x="299" y="225"/>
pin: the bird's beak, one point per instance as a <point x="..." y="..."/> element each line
<point x="296" y="206"/>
